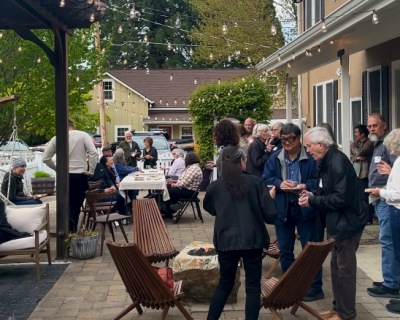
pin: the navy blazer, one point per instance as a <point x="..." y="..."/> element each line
<point x="275" y="174"/>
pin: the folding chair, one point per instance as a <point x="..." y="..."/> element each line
<point x="194" y="201"/>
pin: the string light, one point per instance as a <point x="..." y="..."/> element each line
<point x="279" y="57"/>
<point x="229" y="58"/>
<point x="375" y="19"/>
<point x="120" y="29"/>
<point x="249" y="59"/>
<point x="83" y="37"/>
<point x="288" y="65"/>
<point x="62" y="3"/>
<point x="224" y="28"/>
<point x="175" y="102"/>
<point x="125" y="61"/>
<point x="219" y="80"/>
<point x="103" y="50"/>
<point x="19" y="49"/>
<point x="211" y="56"/>
<point x="191" y="51"/>
<point x="132" y="13"/>
<point x="319" y="48"/>
<point x="1" y="60"/>
<point x="178" y="21"/>
<point x="160" y="101"/>
<point x="1" y="35"/>
<point x="184" y="102"/>
<point x="147" y="71"/>
<point x="169" y="46"/>
<point x="195" y="81"/>
<point x="323" y="26"/>
<point x="171" y="77"/>
<point x="331" y="42"/>
<point x="145" y="39"/>
<point x="293" y="56"/>
<point x="38" y="60"/>
<point x="167" y="104"/>
<point x="77" y="78"/>
<point x="91" y="19"/>
<point x="273" y="29"/>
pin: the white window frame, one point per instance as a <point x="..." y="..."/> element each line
<point x="169" y="126"/>
<point x="323" y="84"/>
<point x="185" y="125"/>
<point x="339" y="121"/>
<point x="126" y="126"/>
<point x="395" y="112"/>
<point x="313" y="14"/>
<point x="113" y="90"/>
<point x="369" y="70"/>
<point x="351" y="113"/>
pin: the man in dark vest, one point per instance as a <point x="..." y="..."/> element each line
<point x="131" y="150"/>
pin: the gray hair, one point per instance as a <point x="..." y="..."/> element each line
<point x="179" y="152"/>
<point x="258" y="128"/>
<point x="279" y="125"/>
<point x="392" y="142"/>
<point x="320" y="135"/>
<point x="119" y="157"/>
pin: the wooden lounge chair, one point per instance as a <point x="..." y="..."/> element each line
<point x="150" y="233"/>
<point x="143" y="284"/>
<point x="290" y="290"/>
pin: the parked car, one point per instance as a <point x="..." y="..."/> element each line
<point x="152" y="132"/>
<point x="97" y="140"/>
<point x="184" y="144"/>
<point x="18" y="145"/>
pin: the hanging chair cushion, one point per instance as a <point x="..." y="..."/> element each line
<point x="25" y="218"/>
<point x="23" y="243"/>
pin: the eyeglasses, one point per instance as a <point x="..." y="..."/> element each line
<point x="373" y="126"/>
<point x="289" y="139"/>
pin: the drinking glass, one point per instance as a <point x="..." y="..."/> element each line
<point x="148" y="167"/>
<point x="295" y="183"/>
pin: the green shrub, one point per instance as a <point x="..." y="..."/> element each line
<point x="41" y="174"/>
<point x="82" y="233"/>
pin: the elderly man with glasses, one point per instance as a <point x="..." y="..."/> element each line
<point x="178" y="166"/>
<point x="291" y="171"/>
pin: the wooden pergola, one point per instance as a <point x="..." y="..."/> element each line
<point x="62" y="17"/>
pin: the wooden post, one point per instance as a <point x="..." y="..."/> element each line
<point x="62" y="141"/>
<point x="100" y="92"/>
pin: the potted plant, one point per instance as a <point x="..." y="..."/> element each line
<point x="43" y="183"/>
<point x="83" y="244"/>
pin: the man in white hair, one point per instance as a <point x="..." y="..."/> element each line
<point x="340" y="203"/>
<point x="249" y="124"/>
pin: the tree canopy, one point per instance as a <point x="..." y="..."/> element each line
<point x="25" y="71"/>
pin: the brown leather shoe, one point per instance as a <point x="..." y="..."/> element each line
<point x="328" y="314"/>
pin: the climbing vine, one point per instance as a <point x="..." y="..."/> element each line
<point x="239" y="98"/>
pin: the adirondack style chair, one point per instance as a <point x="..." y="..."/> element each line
<point x="150" y="232"/>
<point x="144" y="286"/>
<point x="290" y="290"/>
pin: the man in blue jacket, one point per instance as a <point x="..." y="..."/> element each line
<point x="291" y="171"/>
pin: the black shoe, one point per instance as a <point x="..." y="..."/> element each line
<point x="314" y="295"/>
<point x="394" y="301"/>
<point x="383" y="292"/>
<point x="176" y="207"/>
<point x="377" y="284"/>
<point x="393" y="308"/>
<point x="147" y="196"/>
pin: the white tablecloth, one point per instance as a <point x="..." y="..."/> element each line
<point x="149" y="183"/>
<point x="151" y="172"/>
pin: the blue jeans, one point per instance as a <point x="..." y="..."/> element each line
<point x="389" y="273"/>
<point x="309" y="230"/>
<point x="395" y="229"/>
<point x="27" y="202"/>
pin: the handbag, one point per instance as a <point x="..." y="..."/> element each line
<point x="357" y="167"/>
<point x="167" y="276"/>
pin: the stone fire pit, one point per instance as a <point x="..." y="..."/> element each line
<point x="200" y="274"/>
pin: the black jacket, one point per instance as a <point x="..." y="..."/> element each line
<point x="104" y="175"/>
<point x="277" y="143"/>
<point x="16" y="188"/>
<point x="240" y="222"/>
<point x="130" y="161"/>
<point x="7" y="232"/>
<point x="150" y="162"/>
<point x="257" y="156"/>
<point x="338" y="196"/>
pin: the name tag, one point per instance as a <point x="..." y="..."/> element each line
<point x="276" y="148"/>
<point x="377" y="159"/>
<point x="320" y="183"/>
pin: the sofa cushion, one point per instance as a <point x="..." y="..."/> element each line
<point x="23" y="243"/>
<point x="25" y="218"/>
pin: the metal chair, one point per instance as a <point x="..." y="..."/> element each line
<point x="194" y="201"/>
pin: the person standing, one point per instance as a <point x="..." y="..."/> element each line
<point x="361" y="152"/>
<point x="275" y="144"/>
<point x="291" y="168"/>
<point x="150" y="153"/>
<point x="339" y="198"/>
<point x="81" y="147"/>
<point x="257" y="153"/>
<point x="391" y="276"/>
<point x="131" y="150"/>
<point x="249" y="124"/>
<point x="241" y="211"/>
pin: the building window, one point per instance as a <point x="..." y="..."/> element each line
<point x="186" y="132"/>
<point x="375" y="90"/>
<point x="273" y="84"/>
<point x="108" y="90"/>
<point x="324" y="103"/>
<point x="356" y="113"/>
<point x="338" y="134"/>
<point x="120" y="132"/>
<point x="312" y="13"/>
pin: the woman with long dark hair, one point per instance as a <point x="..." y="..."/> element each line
<point x="242" y="206"/>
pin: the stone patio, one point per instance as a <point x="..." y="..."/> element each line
<point x="92" y="289"/>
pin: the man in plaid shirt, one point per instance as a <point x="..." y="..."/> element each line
<point x="186" y="186"/>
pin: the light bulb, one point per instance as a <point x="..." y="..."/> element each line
<point x="39" y="60"/>
<point x="219" y="80"/>
<point x="323" y="26"/>
<point x="120" y="29"/>
<point x="306" y="52"/>
<point x="273" y="30"/>
<point x="191" y="51"/>
<point x="319" y="48"/>
<point x="103" y="50"/>
<point x="309" y="53"/>
<point x="160" y="101"/>
<point x="147" y="71"/>
<point x="1" y="61"/>
<point x="293" y="56"/>
<point x="169" y="46"/>
<point x="107" y="105"/>
<point x="77" y="78"/>
<point x="224" y="28"/>
<point x="132" y="13"/>
<point x="288" y="65"/>
<point x="90" y="1"/>
<point x="211" y="56"/>
<point x="19" y="49"/>
<point x="183" y="102"/>
<point x="171" y="77"/>
<point x="195" y="81"/>
<point x="62" y="3"/>
<point x="229" y="58"/>
<point x="155" y="118"/>
<point x="249" y="59"/>
<point x="83" y="37"/>
<point x="279" y="57"/>
<point x="145" y="39"/>
<point x="175" y="102"/>
<point x="375" y="19"/>
<point x="91" y="19"/>
<point x="1" y="35"/>
<point x="178" y="21"/>
<point x="125" y="61"/>
<point x="331" y="42"/>
<point x="167" y="104"/>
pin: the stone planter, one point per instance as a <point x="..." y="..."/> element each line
<point x="84" y="248"/>
<point x="43" y="185"/>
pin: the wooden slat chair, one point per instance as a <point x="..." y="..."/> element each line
<point x="143" y="284"/>
<point x="290" y="290"/>
<point x="106" y="219"/>
<point x="194" y="201"/>
<point x="150" y="232"/>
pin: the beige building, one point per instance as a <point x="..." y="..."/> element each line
<point x="347" y="72"/>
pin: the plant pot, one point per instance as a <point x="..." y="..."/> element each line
<point x="43" y="185"/>
<point x="206" y="179"/>
<point x="84" y="248"/>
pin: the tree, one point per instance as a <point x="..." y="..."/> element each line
<point x="239" y="98"/>
<point x="155" y="19"/>
<point x="25" y="71"/>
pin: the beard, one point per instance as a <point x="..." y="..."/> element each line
<point x="373" y="137"/>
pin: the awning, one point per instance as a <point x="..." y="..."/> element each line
<point x="349" y="27"/>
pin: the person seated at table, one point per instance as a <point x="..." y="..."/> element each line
<point x="178" y="166"/>
<point x="187" y="184"/>
<point x="13" y="186"/>
<point x="123" y="170"/>
<point x="105" y="174"/>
